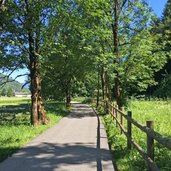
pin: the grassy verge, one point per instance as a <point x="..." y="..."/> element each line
<point x="86" y="100"/>
<point x="15" y="128"/>
<point x="78" y="99"/>
<point x="160" y="113"/>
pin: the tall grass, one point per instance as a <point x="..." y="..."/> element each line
<point x="13" y="100"/>
<point x="157" y="111"/>
<point x="15" y="127"/>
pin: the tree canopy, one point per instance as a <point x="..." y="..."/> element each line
<point x="107" y="48"/>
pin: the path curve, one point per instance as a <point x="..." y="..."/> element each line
<point x="77" y="143"/>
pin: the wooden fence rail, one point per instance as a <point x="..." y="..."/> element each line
<point x="148" y="129"/>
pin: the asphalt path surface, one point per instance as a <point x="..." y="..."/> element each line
<point x="77" y="143"/>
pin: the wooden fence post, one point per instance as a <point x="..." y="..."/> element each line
<point x="150" y="143"/>
<point x="122" y="121"/>
<point x="129" y="130"/>
<point x="116" y="114"/>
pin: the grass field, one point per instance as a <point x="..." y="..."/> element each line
<point x="157" y="111"/>
<point x="15" y="128"/>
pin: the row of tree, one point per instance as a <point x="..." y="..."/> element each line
<point x="126" y="49"/>
<point x="112" y="48"/>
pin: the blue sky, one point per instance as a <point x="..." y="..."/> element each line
<point x="156" y="5"/>
<point x="21" y="79"/>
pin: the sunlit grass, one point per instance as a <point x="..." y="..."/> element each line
<point x="157" y="111"/>
<point x="14" y="100"/>
<point x="78" y="99"/>
<point x="142" y="111"/>
<point x="15" y="127"/>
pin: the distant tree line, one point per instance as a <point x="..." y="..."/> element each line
<point x="9" y="92"/>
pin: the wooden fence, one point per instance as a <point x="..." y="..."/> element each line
<point x="119" y="116"/>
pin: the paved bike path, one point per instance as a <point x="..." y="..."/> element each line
<point x="77" y="143"/>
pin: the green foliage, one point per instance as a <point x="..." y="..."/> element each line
<point x="83" y="41"/>
<point x="71" y="56"/>
<point x="143" y="62"/>
<point x="163" y="28"/>
<point x="142" y="54"/>
<point x="10" y="92"/>
<point x="164" y="88"/>
<point x="3" y="92"/>
<point x="166" y="25"/>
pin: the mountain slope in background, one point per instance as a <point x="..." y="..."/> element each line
<point x="14" y="85"/>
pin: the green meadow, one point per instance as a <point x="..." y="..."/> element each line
<point x="15" y="127"/>
<point x="142" y="111"/>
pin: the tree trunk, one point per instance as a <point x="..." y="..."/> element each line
<point x="38" y="113"/>
<point x="108" y="88"/>
<point x="68" y="93"/>
<point x="117" y="92"/>
<point x="34" y="96"/>
<point x="42" y="115"/>
<point x="103" y="82"/>
<point x="98" y="88"/>
<point x="33" y="77"/>
<point x="117" y="89"/>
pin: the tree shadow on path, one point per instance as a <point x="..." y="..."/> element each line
<point x="49" y="156"/>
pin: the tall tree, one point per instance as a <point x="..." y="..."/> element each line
<point x="165" y="29"/>
<point x="22" y="39"/>
<point x="163" y="26"/>
<point x="72" y="54"/>
<point x="130" y="26"/>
